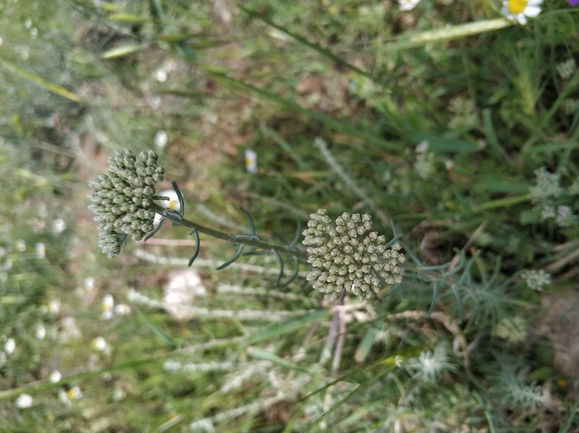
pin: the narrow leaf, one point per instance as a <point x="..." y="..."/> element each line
<point x="127" y="18"/>
<point x="437" y="143"/>
<point x="41" y="82"/>
<point x="286" y="327"/>
<point x="122" y="51"/>
<point x="274" y="359"/>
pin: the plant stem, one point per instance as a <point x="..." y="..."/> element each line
<point x="234" y="239"/>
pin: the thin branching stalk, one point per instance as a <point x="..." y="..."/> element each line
<point x="236" y="239"/>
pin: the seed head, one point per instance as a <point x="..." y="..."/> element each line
<point x="350" y="256"/>
<point x="122" y="198"/>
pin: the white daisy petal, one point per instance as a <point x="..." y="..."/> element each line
<point x="532" y="11"/>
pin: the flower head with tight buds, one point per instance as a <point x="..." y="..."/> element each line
<point x="350" y="256"/>
<point x="122" y="198"/>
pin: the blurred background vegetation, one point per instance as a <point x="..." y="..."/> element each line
<point x="453" y="124"/>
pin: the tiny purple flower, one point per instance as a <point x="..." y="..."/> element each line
<point x="573" y="2"/>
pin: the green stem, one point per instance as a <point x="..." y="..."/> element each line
<point x="221" y="235"/>
<point x="501" y="202"/>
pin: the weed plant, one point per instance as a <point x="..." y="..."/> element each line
<point x="450" y="128"/>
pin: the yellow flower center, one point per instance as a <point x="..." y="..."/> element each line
<point x="516" y="6"/>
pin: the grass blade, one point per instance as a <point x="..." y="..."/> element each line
<point x="123" y="50"/>
<point x="274" y="359"/>
<point x="54" y="88"/>
<point x="286" y="327"/>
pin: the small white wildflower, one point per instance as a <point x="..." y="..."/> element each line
<point x="204" y="425"/>
<point x="74" y="393"/>
<point x="407" y="5"/>
<point x="429" y="365"/>
<point x="565" y="217"/>
<point x="536" y="280"/>
<point x="547" y="212"/>
<point x="566" y="68"/>
<point x="172" y="203"/>
<point x="122" y="310"/>
<point x="421" y="147"/>
<point x="99" y="344"/>
<point x="63" y="397"/>
<point x="424" y="165"/>
<point x="161" y="75"/>
<point x="88" y="284"/>
<point x="161" y="139"/>
<point x="547" y="186"/>
<point x="20" y="245"/>
<point x="53" y="306"/>
<point x="107" y="306"/>
<point x="464" y="115"/>
<point x="40" y="250"/>
<point x="519" y="10"/>
<point x="55" y="376"/>
<point x="58" y="226"/>
<point x="28" y="23"/>
<point x="40" y="332"/>
<point x="24" y="401"/>
<point x="250" y="161"/>
<point x="9" y="346"/>
<point x="118" y="394"/>
<point x="34" y="32"/>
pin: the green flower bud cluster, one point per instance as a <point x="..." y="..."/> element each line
<point x="350" y="256"/>
<point x="122" y="198"/>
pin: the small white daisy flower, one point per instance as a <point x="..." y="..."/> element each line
<point x="63" y="397"/>
<point x="40" y="250"/>
<point x="74" y="393"/>
<point x="519" y="10"/>
<point x="9" y="346"/>
<point x="24" y="401"/>
<point x="171" y="204"/>
<point x="88" y="284"/>
<point x="100" y="345"/>
<point x="107" y="306"/>
<point x="54" y="306"/>
<point x="250" y="161"/>
<point x="58" y="226"/>
<point x="122" y="309"/>
<point x="407" y="5"/>
<point x="55" y="376"/>
<point x="161" y="139"/>
<point x="40" y="332"/>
